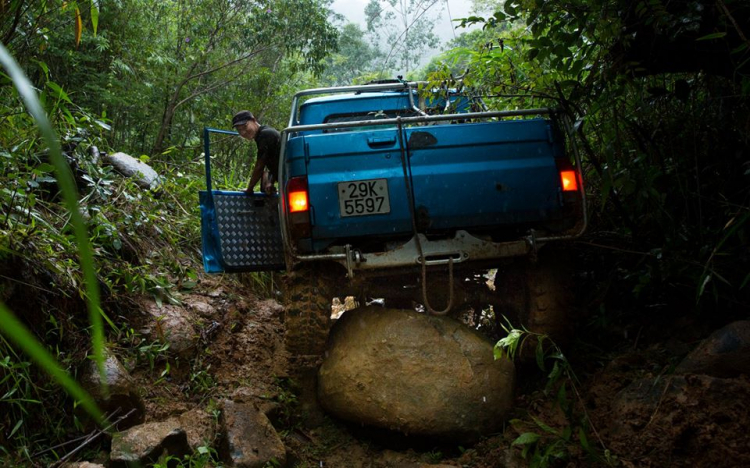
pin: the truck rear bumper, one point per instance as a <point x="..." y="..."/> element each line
<point x="463" y="247"/>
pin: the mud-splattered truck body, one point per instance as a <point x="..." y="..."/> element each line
<point x="381" y="184"/>
<point x="381" y="177"/>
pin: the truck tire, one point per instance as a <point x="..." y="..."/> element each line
<point x="307" y="299"/>
<point x="538" y="295"/>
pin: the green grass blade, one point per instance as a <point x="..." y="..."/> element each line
<point x="18" y="334"/>
<point x="70" y="196"/>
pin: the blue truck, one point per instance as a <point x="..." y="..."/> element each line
<point x="395" y="190"/>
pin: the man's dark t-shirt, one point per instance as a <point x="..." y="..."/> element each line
<point x="268" y="141"/>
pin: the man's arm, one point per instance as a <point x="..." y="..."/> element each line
<point x="257" y="174"/>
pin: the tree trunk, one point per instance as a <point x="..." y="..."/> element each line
<point x="164" y="128"/>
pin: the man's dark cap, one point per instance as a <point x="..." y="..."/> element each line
<point x="242" y="117"/>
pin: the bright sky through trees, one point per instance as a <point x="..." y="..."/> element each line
<point x="354" y="11"/>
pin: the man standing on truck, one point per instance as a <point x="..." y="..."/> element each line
<point x="267" y="139"/>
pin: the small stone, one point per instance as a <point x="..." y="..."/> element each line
<point x="145" y="176"/>
<point x="725" y="353"/>
<point x="269" y="309"/>
<point x="122" y="395"/>
<point x="250" y="439"/>
<point x="200" y="305"/>
<point x="200" y="428"/>
<point x="147" y="442"/>
<point x="172" y="324"/>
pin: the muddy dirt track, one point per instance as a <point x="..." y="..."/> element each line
<point x="625" y="407"/>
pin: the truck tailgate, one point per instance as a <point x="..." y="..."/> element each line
<point x="472" y="175"/>
<point x="484" y="174"/>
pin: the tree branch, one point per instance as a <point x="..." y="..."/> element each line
<point x="228" y="64"/>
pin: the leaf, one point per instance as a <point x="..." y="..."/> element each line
<point x="103" y="125"/>
<point x="44" y="67"/>
<point x="557" y="371"/>
<point x="709" y="37"/>
<point x="705" y="282"/>
<point x="566" y="433"/>
<point x="739" y="48"/>
<point x="94" y="15"/>
<point x="584" y="440"/>
<point x="61" y="94"/>
<point x="15" y="428"/>
<point x="540" y="353"/>
<point x="78" y="26"/>
<point x="526" y="438"/>
<point x="544" y="426"/>
<point x="745" y="281"/>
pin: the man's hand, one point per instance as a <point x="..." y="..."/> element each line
<point x="267" y="183"/>
<point x="269" y="188"/>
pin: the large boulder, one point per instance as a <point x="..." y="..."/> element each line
<point x="414" y="373"/>
<point x="725" y="353"/>
<point x="121" y="398"/>
<point x="144" y="175"/>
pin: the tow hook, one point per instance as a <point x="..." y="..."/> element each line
<point x="352" y="256"/>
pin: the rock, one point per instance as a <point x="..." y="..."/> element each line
<point x="725" y="353"/>
<point x="269" y="309"/>
<point x="172" y="324"/>
<point x="121" y="389"/>
<point x="147" y="442"/>
<point x="250" y="439"/>
<point x="200" y="428"/>
<point x="413" y="373"/>
<point x="200" y="305"/>
<point x="178" y="435"/>
<point x="145" y="176"/>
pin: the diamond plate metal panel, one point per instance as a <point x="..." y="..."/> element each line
<point x="249" y="231"/>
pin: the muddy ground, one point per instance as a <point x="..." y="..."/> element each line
<point x="616" y="402"/>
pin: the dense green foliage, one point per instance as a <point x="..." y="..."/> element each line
<point x="140" y="77"/>
<point x="664" y="142"/>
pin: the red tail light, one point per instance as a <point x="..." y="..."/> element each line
<point x="569" y="181"/>
<point x="297" y="194"/>
<point x="568" y="175"/>
<point x="299" y="208"/>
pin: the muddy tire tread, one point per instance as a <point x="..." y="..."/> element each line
<point x="308" y="311"/>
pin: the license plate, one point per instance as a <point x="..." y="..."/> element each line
<point x="364" y="197"/>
